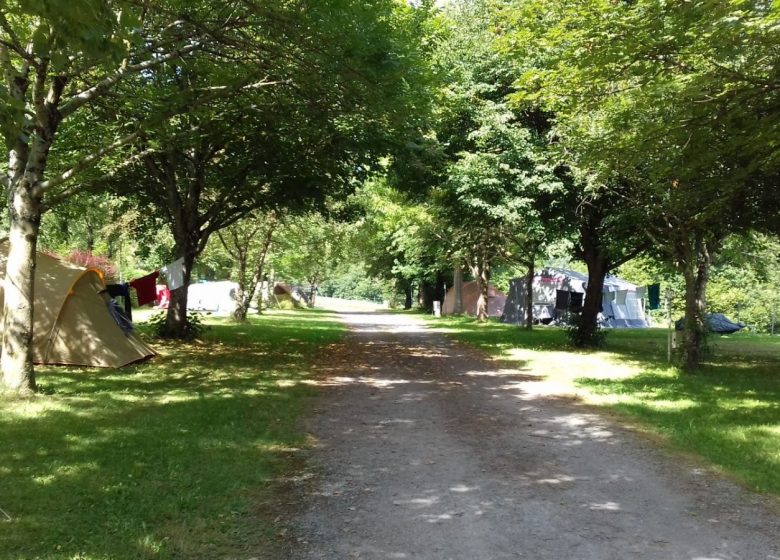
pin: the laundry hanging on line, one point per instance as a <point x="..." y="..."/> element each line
<point x="145" y="288"/>
<point x="175" y="273"/>
<point x="123" y="291"/>
<point x="654" y="296"/>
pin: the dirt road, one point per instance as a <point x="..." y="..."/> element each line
<point x="425" y="450"/>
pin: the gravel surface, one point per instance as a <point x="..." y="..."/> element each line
<point x="427" y="450"/>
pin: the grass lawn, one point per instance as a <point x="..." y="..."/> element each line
<point x="164" y="459"/>
<point x="729" y="413"/>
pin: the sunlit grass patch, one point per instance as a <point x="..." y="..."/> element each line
<point x="162" y="459"/>
<point x="728" y="413"/>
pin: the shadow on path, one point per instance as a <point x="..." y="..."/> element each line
<point x="426" y="450"/>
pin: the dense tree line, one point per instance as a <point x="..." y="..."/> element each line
<point x="475" y="136"/>
<point x="621" y="128"/>
<point x="197" y="113"/>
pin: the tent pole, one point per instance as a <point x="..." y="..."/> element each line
<point x="669" y="325"/>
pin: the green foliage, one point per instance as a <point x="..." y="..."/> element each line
<point x="352" y="282"/>
<point x="194" y="328"/>
<point x="166" y="459"/>
<point x="743" y="282"/>
<point x="397" y="236"/>
<point x="581" y="335"/>
<point x="309" y="247"/>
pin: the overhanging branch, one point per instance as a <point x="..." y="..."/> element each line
<point x="84" y="97"/>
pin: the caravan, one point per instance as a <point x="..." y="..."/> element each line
<point x="558" y="291"/>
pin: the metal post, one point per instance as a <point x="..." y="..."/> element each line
<point x="774" y="317"/>
<point x="669" y="325"/>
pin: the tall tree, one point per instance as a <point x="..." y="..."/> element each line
<point x="322" y="115"/>
<point x="57" y="59"/>
<point x="680" y="98"/>
<point x="248" y="242"/>
<point x="499" y="173"/>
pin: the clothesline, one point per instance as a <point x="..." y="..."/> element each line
<point x="146" y="286"/>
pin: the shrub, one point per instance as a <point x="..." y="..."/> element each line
<point x="581" y="335"/>
<point x="193" y="329"/>
<point x="89" y="260"/>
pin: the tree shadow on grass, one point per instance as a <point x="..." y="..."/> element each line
<point x="732" y="420"/>
<point x="159" y="460"/>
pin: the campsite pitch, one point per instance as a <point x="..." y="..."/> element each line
<point x="427" y="450"/>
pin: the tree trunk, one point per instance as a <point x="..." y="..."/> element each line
<point x="408" y="296"/>
<point x="695" y="333"/>
<point x="242" y="306"/>
<point x="481" y="272"/>
<point x="457" y="287"/>
<point x="176" y="321"/>
<point x="427" y="295"/>
<point x="529" y="296"/>
<point x="482" y="302"/>
<point x="594" y="292"/>
<point x="441" y="288"/>
<point x="18" y="307"/>
<point x="313" y="291"/>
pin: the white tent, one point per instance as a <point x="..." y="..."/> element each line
<point x="214" y="297"/>
<point x="557" y="291"/>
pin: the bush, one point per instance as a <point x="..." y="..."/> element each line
<point x="89" y="260"/>
<point x="193" y="329"/>
<point x="581" y="335"/>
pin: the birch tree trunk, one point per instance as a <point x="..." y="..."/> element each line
<point x="248" y="286"/>
<point x="27" y="165"/>
<point x="18" y="306"/>
<point x="313" y="291"/>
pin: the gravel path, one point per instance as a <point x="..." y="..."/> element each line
<point x="426" y="450"/>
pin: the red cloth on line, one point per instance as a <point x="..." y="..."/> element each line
<point x="163" y="296"/>
<point x="146" y="288"/>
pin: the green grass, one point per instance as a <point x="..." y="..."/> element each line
<point x="161" y="460"/>
<point x="728" y="413"/>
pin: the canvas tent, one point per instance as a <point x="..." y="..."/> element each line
<point x="470" y="296"/>
<point x="73" y="324"/>
<point x="284" y="292"/>
<point x="558" y="291"/>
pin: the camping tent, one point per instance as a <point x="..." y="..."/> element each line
<point x="558" y="291"/>
<point x="215" y="297"/>
<point x="470" y="296"/>
<point x="73" y="323"/>
<point x="284" y="292"/>
<point x="716" y="323"/>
